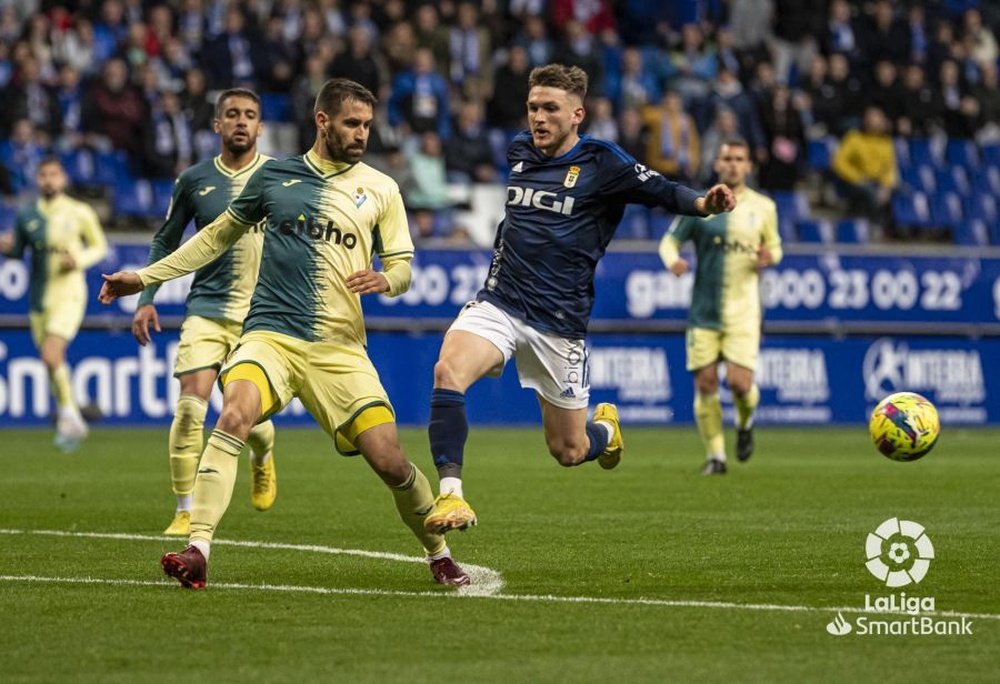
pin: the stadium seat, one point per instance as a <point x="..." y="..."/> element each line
<point x="813" y="231"/>
<point x="793" y="207"/>
<point x="134" y="198"/>
<point x="659" y="223"/>
<point x="163" y="190"/>
<point x="911" y="209"/>
<point x="922" y="152"/>
<point x="986" y="181"/>
<point x="276" y="108"/>
<point x="972" y="233"/>
<point x="8" y="216"/>
<point x="962" y="153"/>
<point x="902" y="150"/>
<point x="946" y="209"/>
<point x="110" y="168"/>
<point x="851" y="231"/>
<point x="80" y="166"/>
<point x="954" y="179"/>
<point x="982" y="207"/>
<point x="634" y="224"/>
<point x="919" y="178"/>
<point x="991" y="154"/>
<point x="820" y="153"/>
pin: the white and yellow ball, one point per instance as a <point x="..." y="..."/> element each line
<point x="904" y="426"/>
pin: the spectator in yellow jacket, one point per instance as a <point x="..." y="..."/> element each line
<point x="673" y="148"/>
<point x="864" y="167"/>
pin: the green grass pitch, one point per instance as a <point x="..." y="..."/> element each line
<point x="782" y="536"/>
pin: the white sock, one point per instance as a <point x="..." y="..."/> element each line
<point x="70" y="412"/>
<point x="202" y="546"/>
<point x="183" y="503"/>
<point x="444" y="553"/>
<point x="259" y="460"/>
<point x="607" y="426"/>
<point x="451" y="485"/>
<point x="718" y="457"/>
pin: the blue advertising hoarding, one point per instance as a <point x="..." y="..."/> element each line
<point x="803" y="379"/>
<point x="634" y="287"/>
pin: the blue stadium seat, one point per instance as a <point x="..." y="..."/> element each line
<point x="902" y="150"/>
<point x="813" y="230"/>
<point x="922" y="152"/>
<point x="982" y="207"/>
<point x="8" y="216"/>
<point x="972" y="233"/>
<point x="659" y="223"/>
<point x="991" y="154"/>
<point x="134" y="197"/>
<point x="820" y="153"/>
<point x="276" y="107"/>
<point x="911" y="209"/>
<point x="947" y="210"/>
<point x="163" y="190"/>
<point x="80" y="166"/>
<point x="954" y="179"/>
<point x="986" y="181"/>
<point x="851" y="231"/>
<point x="110" y="168"/>
<point x="793" y="207"/>
<point x="634" y="224"/>
<point x="962" y="153"/>
<point x="919" y="178"/>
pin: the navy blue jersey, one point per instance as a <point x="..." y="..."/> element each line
<point x="560" y="216"/>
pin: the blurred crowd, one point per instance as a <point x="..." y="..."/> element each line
<point x="669" y="80"/>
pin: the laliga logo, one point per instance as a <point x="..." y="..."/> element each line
<point x="899" y="552"/>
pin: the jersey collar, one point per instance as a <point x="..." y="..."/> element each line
<point x="325" y="168"/>
<point x="226" y="171"/>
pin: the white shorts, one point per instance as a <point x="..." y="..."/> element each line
<point x="555" y="367"/>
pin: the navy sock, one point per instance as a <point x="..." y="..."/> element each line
<point x="598" y="440"/>
<point x="448" y="431"/>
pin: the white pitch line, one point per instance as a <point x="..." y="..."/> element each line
<point x="485" y="581"/>
<point x="488" y="576"/>
<point x="546" y="598"/>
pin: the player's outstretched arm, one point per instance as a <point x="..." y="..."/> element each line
<point x="120" y="284"/>
<point x="205" y="247"/>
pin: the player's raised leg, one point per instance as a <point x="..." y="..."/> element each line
<point x="186" y="442"/>
<point x="746" y="396"/>
<point x="465" y="357"/>
<point x="213" y="487"/>
<point x="708" y="416"/>
<point x="573" y="440"/>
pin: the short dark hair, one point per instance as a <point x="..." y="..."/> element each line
<point x="735" y="142"/>
<point x="336" y="91"/>
<point x="234" y="92"/>
<point x="572" y="79"/>
<point x="48" y="161"/>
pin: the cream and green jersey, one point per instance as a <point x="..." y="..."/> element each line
<point x="726" y="291"/>
<point x="202" y="192"/>
<point x="52" y="228"/>
<point x="325" y="221"/>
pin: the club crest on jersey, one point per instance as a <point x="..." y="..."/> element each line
<point x="359" y="197"/>
<point x="572" y="176"/>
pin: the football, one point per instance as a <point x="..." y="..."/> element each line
<point x="904" y="426"/>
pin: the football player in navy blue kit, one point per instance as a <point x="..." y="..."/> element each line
<point x="565" y="198"/>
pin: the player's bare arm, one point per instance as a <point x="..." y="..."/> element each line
<point x="6" y="243"/>
<point x="679" y="267"/>
<point x="368" y="281"/>
<point x="718" y="199"/>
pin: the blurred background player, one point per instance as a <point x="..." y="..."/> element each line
<point x="218" y="301"/>
<point x="327" y="214"/>
<point x="565" y="198"/>
<point x="65" y="238"/>
<point x="725" y="316"/>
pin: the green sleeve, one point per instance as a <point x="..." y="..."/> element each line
<point x="168" y="237"/>
<point x="682" y="230"/>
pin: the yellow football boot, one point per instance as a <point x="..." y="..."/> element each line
<point x="265" y="484"/>
<point x="180" y="526"/>
<point x="450" y="512"/>
<point x="612" y="455"/>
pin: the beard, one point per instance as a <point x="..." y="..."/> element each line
<point x="341" y="152"/>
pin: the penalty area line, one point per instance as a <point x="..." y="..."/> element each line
<point x="531" y="598"/>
